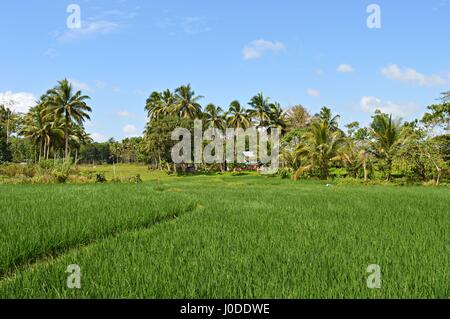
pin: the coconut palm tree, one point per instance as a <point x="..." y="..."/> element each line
<point x="355" y="156"/>
<point x="78" y="137"/>
<point x="186" y="105"/>
<point x="260" y="109"/>
<point x="237" y="116"/>
<point x="326" y="116"/>
<point x="70" y="106"/>
<point x="9" y="119"/>
<point x="40" y="127"/>
<point x="214" y="117"/>
<point x="386" y="134"/>
<point x="320" y="145"/>
<point x="168" y="99"/>
<point x="153" y="105"/>
<point x="277" y="117"/>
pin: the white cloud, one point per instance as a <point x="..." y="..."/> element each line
<point x="130" y="130"/>
<point x="89" y="29"/>
<point x="394" y="72"/>
<point x="98" y="137"/>
<point x="345" y="68"/>
<point x="256" y="49"/>
<point x="126" y="114"/>
<point x="18" y="102"/>
<point x="370" y="103"/>
<point x="313" y="92"/>
<point x="80" y="85"/>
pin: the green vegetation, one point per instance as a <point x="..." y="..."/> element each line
<point x="236" y="237"/>
<point x="157" y="229"/>
<point x="38" y="222"/>
<point x="313" y="146"/>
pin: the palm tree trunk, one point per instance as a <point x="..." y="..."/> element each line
<point x="7" y="128"/>
<point x="365" y="171"/>
<point x="41" y="150"/>
<point x="389" y="175"/>
<point x="66" y="136"/>
<point x="49" y="144"/>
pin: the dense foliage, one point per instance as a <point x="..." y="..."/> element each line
<point x="312" y="145"/>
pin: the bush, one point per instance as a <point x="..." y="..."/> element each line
<point x="78" y="179"/>
<point x="359" y="181"/>
<point x="116" y="180"/>
<point x="135" y="179"/>
<point x="13" y="170"/>
<point x="60" y="177"/>
<point x="61" y="170"/>
<point x="44" y="179"/>
<point x="100" y="178"/>
<point x="284" y="173"/>
<point x="47" y="164"/>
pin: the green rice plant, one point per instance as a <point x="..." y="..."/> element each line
<point x="46" y="220"/>
<point x="243" y="237"/>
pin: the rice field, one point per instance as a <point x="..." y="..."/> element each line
<point x="223" y="237"/>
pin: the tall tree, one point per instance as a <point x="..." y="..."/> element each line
<point x="297" y="117"/>
<point x="9" y="119"/>
<point x="5" y="153"/>
<point x="187" y="105"/>
<point x="154" y="106"/>
<point x="260" y="109"/>
<point x="277" y="117"/>
<point x="214" y="117"/>
<point x="438" y="116"/>
<point x="386" y="134"/>
<point x="327" y="117"/>
<point x="237" y="116"/>
<point x="70" y="106"/>
<point x="320" y="146"/>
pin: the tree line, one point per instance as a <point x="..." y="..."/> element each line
<point x="313" y="145"/>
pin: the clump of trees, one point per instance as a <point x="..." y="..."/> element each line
<point x="313" y="146"/>
<point x="51" y="129"/>
<point x="388" y="148"/>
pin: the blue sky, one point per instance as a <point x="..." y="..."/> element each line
<point x="313" y="53"/>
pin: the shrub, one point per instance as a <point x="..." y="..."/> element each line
<point x="135" y="179"/>
<point x="116" y="180"/>
<point x="284" y="173"/>
<point x="13" y="170"/>
<point x="44" y="179"/>
<point x="78" y="179"/>
<point x="100" y="178"/>
<point x="47" y="164"/>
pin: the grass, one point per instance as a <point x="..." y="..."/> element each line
<point x="124" y="171"/>
<point x="233" y="237"/>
